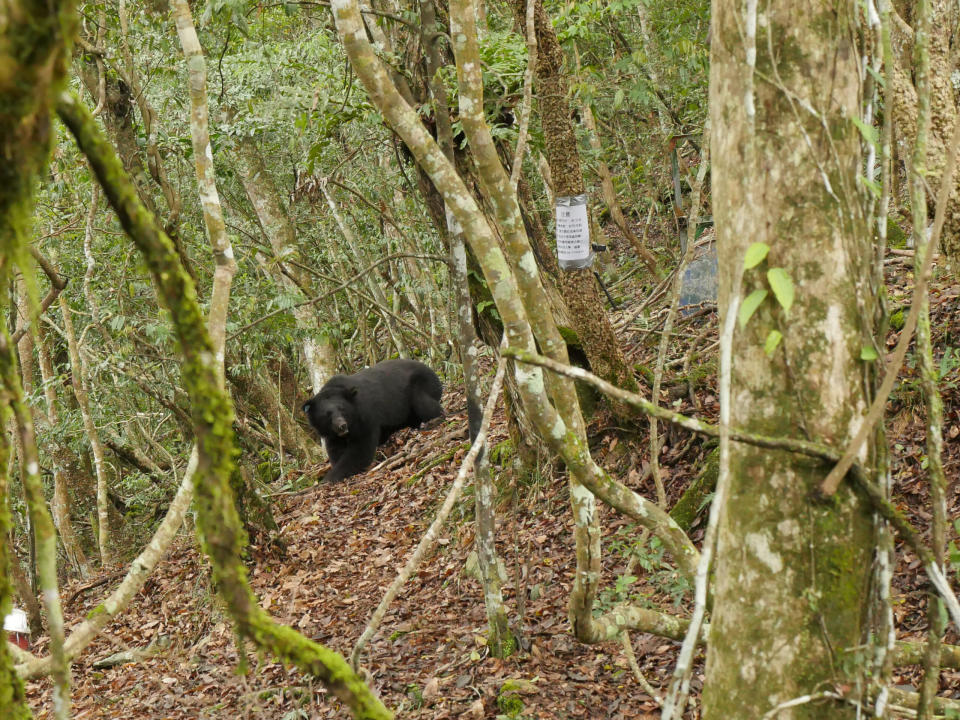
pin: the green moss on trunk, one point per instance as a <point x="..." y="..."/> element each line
<point x="793" y="577"/>
<point x="694" y="498"/>
<point x="220" y="527"/>
<point x="13" y="698"/>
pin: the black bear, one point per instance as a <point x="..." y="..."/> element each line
<point x="356" y="413"/>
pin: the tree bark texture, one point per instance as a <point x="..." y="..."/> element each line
<point x="34" y="52"/>
<point x="212" y="421"/>
<point x="500" y="640"/>
<point x="13" y="698"/>
<point x="791" y="575"/>
<point x="942" y="104"/>
<point x="580" y="291"/>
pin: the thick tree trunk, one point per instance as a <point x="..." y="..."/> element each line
<point x="500" y="640"/>
<point x="792" y="576"/>
<point x="579" y="287"/>
<point x="942" y="105"/>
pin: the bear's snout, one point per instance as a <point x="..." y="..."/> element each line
<point x="356" y="413"/>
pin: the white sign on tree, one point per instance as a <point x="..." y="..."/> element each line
<point x="573" y="233"/>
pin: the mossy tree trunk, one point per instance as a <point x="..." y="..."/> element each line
<point x="593" y="327"/>
<point x="212" y="415"/>
<point x="500" y="640"/>
<point x="34" y="51"/>
<point x="13" y="698"/>
<point x="792" y="576"/>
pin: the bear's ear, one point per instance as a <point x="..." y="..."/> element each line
<point x="351" y="392"/>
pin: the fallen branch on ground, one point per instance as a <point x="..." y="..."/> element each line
<point x="811" y="449"/>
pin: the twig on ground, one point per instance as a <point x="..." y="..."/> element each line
<point x="428" y="541"/>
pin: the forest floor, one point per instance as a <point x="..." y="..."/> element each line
<point x="345" y="542"/>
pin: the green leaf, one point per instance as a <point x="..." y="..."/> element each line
<point x="750" y="306"/>
<point x="782" y="287"/>
<point x="755" y="255"/>
<point x="954" y="553"/>
<point x="773" y="339"/>
<point x="618" y="98"/>
<point x="868" y="353"/>
<point x="872" y="185"/>
<point x="881" y="81"/>
<point x="240" y="20"/>
<point x="868" y="131"/>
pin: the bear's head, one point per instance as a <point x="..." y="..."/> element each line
<point x="332" y="411"/>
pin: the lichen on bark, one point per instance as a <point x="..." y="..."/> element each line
<point x="791" y="574"/>
<point x="34" y="50"/>
<point x="212" y="412"/>
<point x="12" y="694"/>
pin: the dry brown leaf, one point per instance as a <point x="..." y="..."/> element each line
<point x="432" y="689"/>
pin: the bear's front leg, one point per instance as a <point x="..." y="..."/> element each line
<point x="353" y="455"/>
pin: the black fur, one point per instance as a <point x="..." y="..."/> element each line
<point x="356" y="413"/>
